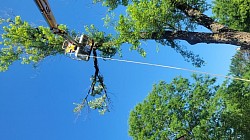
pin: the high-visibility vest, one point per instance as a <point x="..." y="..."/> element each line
<point x="70" y="48"/>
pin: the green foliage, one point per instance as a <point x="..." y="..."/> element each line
<point x="240" y="64"/>
<point x="156" y="16"/>
<point x="100" y="104"/>
<point x="235" y="116"/>
<point x="197" y="109"/>
<point x="236" y="98"/>
<point x="189" y="56"/>
<point x="149" y="19"/>
<point x="233" y="13"/>
<point x="31" y="45"/>
<point x="7" y="57"/>
<point x="112" y="4"/>
<point x="178" y="108"/>
<point x="104" y="43"/>
<point x="109" y="20"/>
<point x="98" y="100"/>
<point x="26" y="43"/>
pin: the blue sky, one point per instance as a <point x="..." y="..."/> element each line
<point x="38" y="103"/>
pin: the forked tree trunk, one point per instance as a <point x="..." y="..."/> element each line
<point x="220" y="33"/>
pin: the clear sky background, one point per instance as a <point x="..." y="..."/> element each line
<point x="37" y="104"/>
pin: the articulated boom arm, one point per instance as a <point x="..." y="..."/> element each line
<point x="81" y="49"/>
<point x="44" y="7"/>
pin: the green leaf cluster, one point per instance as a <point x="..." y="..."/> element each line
<point x="112" y="4"/>
<point x="197" y="109"/>
<point x="149" y="19"/>
<point x="104" y="43"/>
<point x="98" y="100"/>
<point x="21" y="41"/>
<point x="236" y="98"/>
<point x="100" y="104"/>
<point x="235" y="115"/>
<point x="240" y="64"/>
<point x="157" y="15"/>
<point x="179" y="108"/>
<point x="233" y="13"/>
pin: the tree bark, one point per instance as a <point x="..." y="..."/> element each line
<point x="220" y="33"/>
<point x="234" y="38"/>
<point x="201" y="18"/>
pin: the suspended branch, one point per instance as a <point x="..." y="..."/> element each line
<point x="79" y="48"/>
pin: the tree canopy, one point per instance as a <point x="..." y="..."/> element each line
<point x="26" y="43"/>
<point x="196" y="109"/>
<point x="234" y="14"/>
<point x="179" y="108"/>
<point x="236" y="98"/>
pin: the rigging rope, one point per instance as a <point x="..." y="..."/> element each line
<point x="172" y="67"/>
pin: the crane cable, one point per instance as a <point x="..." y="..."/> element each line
<point x="171" y="67"/>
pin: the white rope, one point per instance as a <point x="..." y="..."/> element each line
<point x="171" y="67"/>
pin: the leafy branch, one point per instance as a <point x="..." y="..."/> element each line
<point x="97" y="90"/>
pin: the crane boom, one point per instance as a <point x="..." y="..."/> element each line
<point x="44" y="7"/>
<point x="81" y="49"/>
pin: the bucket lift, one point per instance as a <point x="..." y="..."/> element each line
<point x="80" y="47"/>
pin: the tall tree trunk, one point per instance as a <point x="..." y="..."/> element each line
<point x="234" y="38"/>
<point x="220" y="33"/>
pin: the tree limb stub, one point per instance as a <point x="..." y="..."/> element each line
<point x="234" y="38"/>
